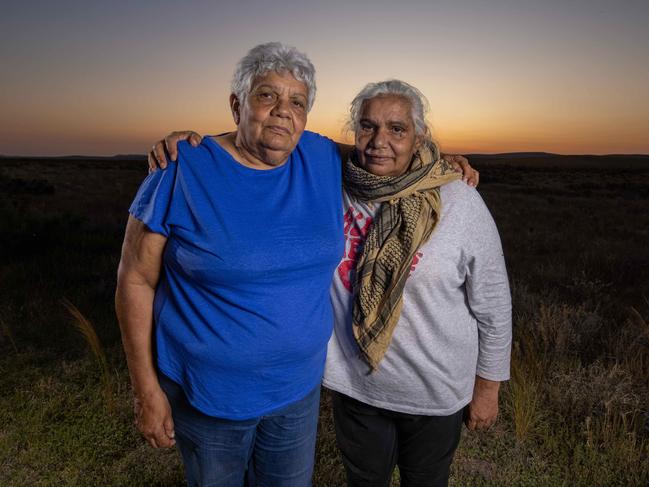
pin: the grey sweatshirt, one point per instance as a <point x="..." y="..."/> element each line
<point x="456" y="317"/>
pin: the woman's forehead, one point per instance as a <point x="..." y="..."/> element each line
<point x="282" y="81"/>
<point x="387" y="105"/>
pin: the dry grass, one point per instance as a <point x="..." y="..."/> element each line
<point x="84" y="326"/>
<point x="636" y="353"/>
<point x="522" y="395"/>
<point x="6" y="332"/>
<point x="575" y="413"/>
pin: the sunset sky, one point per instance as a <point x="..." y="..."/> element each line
<point x="102" y="78"/>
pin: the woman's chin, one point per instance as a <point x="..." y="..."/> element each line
<point x="279" y="142"/>
<point x="379" y="167"/>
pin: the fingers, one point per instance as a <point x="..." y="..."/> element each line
<point x="469" y="423"/>
<point x="195" y="139"/>
<point x="159" y="154"/>
<point x="151" y="160"/>
<point x="153" y="419"/>
<point x="160" y="441"/>
<point x="159" y="437"/>
<point x="478" y="425"/>
<point x="481" y="425"/>
<point x="474" y="178"/>
<point x="151" y="441"/>
<point x="461" y="164"/>
<point x="171" y="141"/>
<point x="163" y="440"/>
<point x="475" y="421"/>
<point x="455" y="162"/>
<point x="470" y="175"/>
<point x="168" y="426"/>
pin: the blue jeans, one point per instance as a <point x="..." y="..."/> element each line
<point x="276" y="450"/>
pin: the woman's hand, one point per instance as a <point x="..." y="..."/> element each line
<point x="169" y="146"/>
<point x="461" y="164"/>
<point x="153" y="418"/>
<point x="482" y="412"/>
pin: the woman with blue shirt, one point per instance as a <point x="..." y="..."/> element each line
<point x="230" y="253"/>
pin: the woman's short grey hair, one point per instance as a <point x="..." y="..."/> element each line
<point x="418" y="103"/>
<point x="273" y="57"/>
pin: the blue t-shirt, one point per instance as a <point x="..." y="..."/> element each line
<point x="242" y="311"/>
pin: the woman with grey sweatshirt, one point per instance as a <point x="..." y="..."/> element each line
<point x="416" y="349"/>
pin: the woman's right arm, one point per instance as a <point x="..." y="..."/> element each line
<point x="137" y="278"/>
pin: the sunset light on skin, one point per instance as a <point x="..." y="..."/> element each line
<point x="95" y="78"/>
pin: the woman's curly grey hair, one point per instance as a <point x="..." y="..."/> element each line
<point x="418" y="104"/>
<point x="273" y="57"/>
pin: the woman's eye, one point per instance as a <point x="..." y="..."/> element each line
<point x="366" y="127"/>
<point x="266" y="96"/>
<point x="298" y="103"/>
<point x="398" y="130"/>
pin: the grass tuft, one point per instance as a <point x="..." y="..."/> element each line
<point x="84" y="326"/>
<point x="522" y="392"/>
<point x="6" y="331"/>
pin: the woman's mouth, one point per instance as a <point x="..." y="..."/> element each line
<point x="279" y="130"/>
<point x="377" y="158"/>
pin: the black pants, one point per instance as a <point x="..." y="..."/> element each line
<point x="373" y="440"/>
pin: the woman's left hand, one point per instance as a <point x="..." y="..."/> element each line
<point x="482" y="411"/>
<point x="461" y="164"/>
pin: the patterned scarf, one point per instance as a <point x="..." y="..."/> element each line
<point x="403" y="224"/>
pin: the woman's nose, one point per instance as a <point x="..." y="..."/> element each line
<point x="281" y="108"/>
<point x="379" y="140"/>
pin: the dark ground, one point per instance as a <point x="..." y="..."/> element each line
<point x="575" y="232"/>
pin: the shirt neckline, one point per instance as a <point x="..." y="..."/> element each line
<point x="214" y="145"/>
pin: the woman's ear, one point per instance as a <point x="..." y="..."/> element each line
<point x="419" y="142"/>
<point x="235" y="106"/>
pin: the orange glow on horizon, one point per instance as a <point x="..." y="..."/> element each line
<point x="516" y="77"/>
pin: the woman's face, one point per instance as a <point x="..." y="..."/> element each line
<point x="273" y="117"/>
<point x="385" y="135"/>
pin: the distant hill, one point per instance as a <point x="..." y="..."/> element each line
<point x="119" y="157"/>
<point x="547" y="160"/>
<point x="515" y="154"/>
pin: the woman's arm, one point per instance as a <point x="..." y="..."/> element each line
<point x="488" y="295"/>
<point x="137" y="278"/>
<point x="157" y="157"/>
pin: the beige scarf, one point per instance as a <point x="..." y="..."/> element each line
<point x="405" y="221"/>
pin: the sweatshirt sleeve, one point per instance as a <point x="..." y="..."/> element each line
<point x="488" y="293"/>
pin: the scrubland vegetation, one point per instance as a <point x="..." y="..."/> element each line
<point x="576" y="412"/>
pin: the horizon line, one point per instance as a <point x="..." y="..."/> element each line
<point x="144" y="156"/>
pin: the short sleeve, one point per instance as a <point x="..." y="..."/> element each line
<point x="153" y="199"/>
